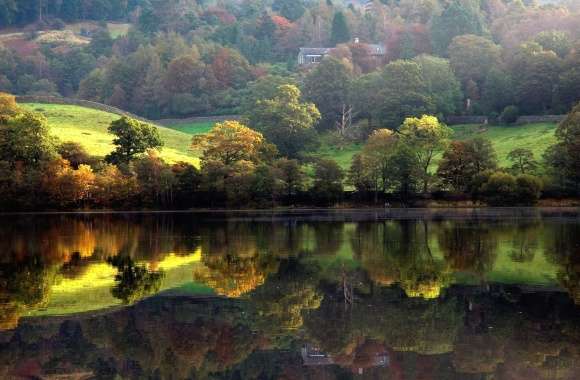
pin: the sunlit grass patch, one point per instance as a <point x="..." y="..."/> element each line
<point x="89" y="128"/>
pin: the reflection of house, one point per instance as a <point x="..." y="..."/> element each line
<point x="369" y="355"/>
<point x="309" y="56"/>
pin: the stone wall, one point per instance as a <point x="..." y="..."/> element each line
<point x="540" y="119"/>
<point x="454" y="120"/>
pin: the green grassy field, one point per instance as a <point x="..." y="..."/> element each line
<point x="192" y="128"/>
<point x="536" y="137"/>
<point x="89" y="127"/>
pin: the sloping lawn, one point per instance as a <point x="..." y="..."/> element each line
<point x="89" y="127"/>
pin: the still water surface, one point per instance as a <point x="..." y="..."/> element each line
<point x="398" y="294"/>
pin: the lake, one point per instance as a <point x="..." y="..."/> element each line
<point x="387" y="294"/>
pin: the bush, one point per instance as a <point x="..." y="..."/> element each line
<point x="503" y="189"/>
<point x="510" y="114"/>
<point x="529" y="189"/>
<point x="500" y="189"/>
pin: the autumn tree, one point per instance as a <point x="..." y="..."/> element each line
<point x="425" y="136"/>
<point x="230" y="142"/>
<point x="132" y="138"/>
<point x="463" y="161"/>
<point x="285" y="120"/>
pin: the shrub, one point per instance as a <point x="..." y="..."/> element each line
<point x="500" y="189"/>
<point x="529" y="189"/>
<point x="510" y="114"/>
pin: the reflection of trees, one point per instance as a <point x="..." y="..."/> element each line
<point x="404" y="324"/>
<point x="468" y="246"/>
<point x="525" y="242"/>
<point x="25" y="284"/>
<point x="133" y="282"/>
<point x="234" y="264"/>
<point x="285" y="296"/>
<point x="562" y="247"/>
<point x="400" y="252"/>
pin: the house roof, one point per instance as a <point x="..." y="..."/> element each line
<point x="315" y="51"/>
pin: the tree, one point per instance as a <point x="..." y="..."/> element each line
<point x="536" y="77"/>
<point x="498" y="90"/>
<point x="265" y="87"/>
<point x="133" y="138"/>
<point x="510" y="115"/>
<point x="472" y="57"/>
<point x="340" y="30"/>
<point x="8" y="106"/>
<point x="523" y="161"/>
<point x="327" y="86"/>
<point x="458" y="18"/>
<point x="404" y="94"/>
<point x="443" y="86"/>
<point x="285" y="121"/>
<point x="425" y="136"/>
<point x="74" y="153"/>
<point x="565" y="155"/>
<point x="377" y="159"/>
<point x="556" y="41"/>
<point x="328" y="177"/>
<point x="405" y="171"/>
<point x="292" y="177"/>
<point x="26" y="138"/>
<point x="230" y="142"/>
<point x="455" y="168"/>
<point x="290" y="9"/>
<point x="464" y="161"/>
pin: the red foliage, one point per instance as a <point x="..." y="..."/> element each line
<point x="221" y="14"/>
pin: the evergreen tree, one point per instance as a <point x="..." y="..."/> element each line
<point x="340" y="29"/>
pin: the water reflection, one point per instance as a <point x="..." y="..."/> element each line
<point x="195" y="297"/>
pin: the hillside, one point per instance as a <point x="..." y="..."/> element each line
<point x="89" y="127"/>
<point x="536" y="137"/>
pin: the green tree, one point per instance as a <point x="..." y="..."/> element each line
<point x="290" y="9"/>
<point x="328" y="87"/>
<point x="472" y="57"/>
<point x="132" y="138"/>
<point x="405" y="93"/>
<point x="26" y="138"/>
<point x="458" y="18"/>
<point x="522" y="160"/>
<point x="340" y="32"/>
<point x="566" y="155"/>
<point x="265" y="87"/>
<point x="536" y="77"/>
<point x="555" y="40"/>
<point x="444" y="88"/>
<point x="292" y="176"/>
<point x="328" y="178"/>
<point x="426" y="136"/>
<point x="285" y="120"/>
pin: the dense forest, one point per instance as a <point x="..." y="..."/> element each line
<point x="185" y="57"/>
